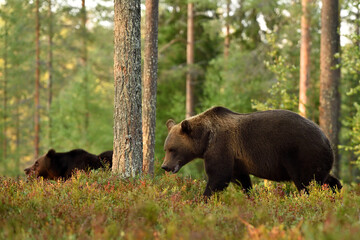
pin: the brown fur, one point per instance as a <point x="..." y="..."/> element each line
<point x="55" y="165"/>
<point x="278" y="145"/>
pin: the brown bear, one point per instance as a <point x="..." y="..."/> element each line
<point x="278" y="145"/>
<point x="55" y="165"/>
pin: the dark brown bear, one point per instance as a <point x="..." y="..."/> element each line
<point x="55" y="165"/>
<point x="278" y="145"/>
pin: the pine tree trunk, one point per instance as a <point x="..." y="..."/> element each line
<point x="5" y="91"/>
<point x="304" y="57"/>
<point x="37" y="83"/>
<point x="50" y="70"/>
<point x="330" y="75"/>
<point x="150" y="80"/>
<point x="127" y="158"/>
<point x="227" y="34"/>
<point x="190" y="61"/>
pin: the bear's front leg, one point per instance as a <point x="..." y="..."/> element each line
<point x="215" y="184"/>
<point x="219" y="168"/>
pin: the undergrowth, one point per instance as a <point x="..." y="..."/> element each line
<point x="100" y="205"/>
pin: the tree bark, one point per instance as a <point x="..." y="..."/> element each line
<point x="190" y="61"/>
<point x="127" y="158"/>
<point x="37" y="83"/>
<point x="50" y="70"/>
<point x="227" y="33"/>
<point x="150" y="80"/>
<point x="330" y="75"/>
<point x="304" y="57"/>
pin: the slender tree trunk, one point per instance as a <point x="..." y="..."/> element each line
<point x="84" y="63"/>
<point x="37" y="83"/>
<point x="227" y="34"/>
<point x="50" y="70"/>
<point x="127" y="158"/>
<point x="330" y="75"/>
<point x="150" y="79"/>
<point x="190" y="61"/>
<point x="5" y="91"/>
<point x="304" y="57"/>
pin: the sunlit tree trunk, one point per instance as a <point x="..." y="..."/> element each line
<point x="330" y="75"/>
<point x="127" y="158"/>
<point x="190" y="61"/>
<point x="304" y="57"/>
<point x="150" y="79"/>
<point x="37" y="83"/>
<point x="5" y="60"/>
<point x="227" y="33"/>
<point x="50" y="70"/>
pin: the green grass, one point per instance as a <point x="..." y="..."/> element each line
<point x="100" y="205"/>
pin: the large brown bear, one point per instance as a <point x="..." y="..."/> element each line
<point x="278" y="145"/>
<point x="55" y="165"/>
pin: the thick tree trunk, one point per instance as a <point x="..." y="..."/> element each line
<point x="190" y="61"/>
<point x="330" y="75"/>
<point x="227" y="33"/>
<point x="127" y="158"/>
<point x="150" y="80"/>
<point x="50" y="70"/>
<point x="37" y="83"/>
<point x="304" y="57"/>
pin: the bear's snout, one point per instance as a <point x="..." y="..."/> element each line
<point x="27" y="171"/>
<point x="171" y="169"/>
<point x="166" y="168"/>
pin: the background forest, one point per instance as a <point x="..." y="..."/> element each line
<point x="259" y="71"/>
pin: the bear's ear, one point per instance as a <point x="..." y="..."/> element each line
<point x="169" y="124"/>
<point x="185" y="126"/>
<point x="51" y="153"/>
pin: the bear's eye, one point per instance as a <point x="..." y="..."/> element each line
<point x="36" y="163"/>
<point x="171" y="150"/>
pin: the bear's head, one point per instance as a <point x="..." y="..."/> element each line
<point x="42" y="166"/>
<point x="185" y="142"/>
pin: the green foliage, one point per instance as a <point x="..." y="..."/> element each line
<point x="103" y="206"/>
<point x="232" y="85"/>
<point x="69" y="128"/>
<point x="351" y="101"/>
<point x="282" y="95"/>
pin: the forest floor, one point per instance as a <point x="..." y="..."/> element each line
<point x="100" y="205"/>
